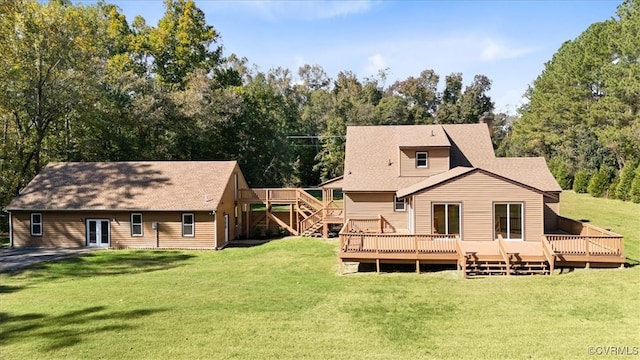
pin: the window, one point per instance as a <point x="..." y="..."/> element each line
<point x="136" y="224"/>
<point x="399" y="204"/>
<point x="188" y="226"/>
<point x="508" y="220"/>
<point x="36" y="224"/>
<point x="422" y="159"/>
<point x="446" y="219"/>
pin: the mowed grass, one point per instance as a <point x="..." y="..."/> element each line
<point x="285" y="299"/>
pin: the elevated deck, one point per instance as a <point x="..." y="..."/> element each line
<point x="307" y="215"/>
<point x="365" y="240"/>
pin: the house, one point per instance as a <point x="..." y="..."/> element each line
<point x="147" y="204"/>
<point x="437" y="193"/>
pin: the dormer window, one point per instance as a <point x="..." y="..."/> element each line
<point x="422" y="159"/>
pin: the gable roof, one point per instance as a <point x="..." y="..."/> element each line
<point x="472" y="144"/>
<point x="371" y="157"/>
<point x="144" y="185"/>
<point x="537" y="184"/>
<point x="531" y="171"/>
<point x="371" y="154"/>
<point x="370" y="149"/>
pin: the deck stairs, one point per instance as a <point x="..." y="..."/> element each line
<point x="309" y="209"/>
<point x="476" y="266"/>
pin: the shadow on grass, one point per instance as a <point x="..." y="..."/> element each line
<point x="68" y="329"/>
<point x="105" y="263"/>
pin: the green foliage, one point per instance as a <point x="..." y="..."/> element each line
<point x="560" y="171"/>
<point x="623" y="189"/>
<point x="634" y="192"/>
<point x="583" y="108"/>
<point x="581" y="181"/>
<point x="600" y="182"/>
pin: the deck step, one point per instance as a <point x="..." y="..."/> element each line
<point x="494" y="267"/>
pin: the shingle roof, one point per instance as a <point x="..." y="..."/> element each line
<point x="434" y="180"/>
<point x="145" y="185"/>
<point x="471" y="144"/>
<point x="531" y="171"/>
<point x="370" y="149"/>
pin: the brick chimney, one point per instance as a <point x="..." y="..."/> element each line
<point x="487" y="119"/>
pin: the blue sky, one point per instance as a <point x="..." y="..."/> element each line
<point x="508" y="41"/>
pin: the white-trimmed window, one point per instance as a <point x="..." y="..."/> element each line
<point x="399" y="204"/>
<point x="509" y="220"/>
<point x="447" y="218"/>
<point x="422" y="159"/>
<point x="188" y="225"/>
<point x="36" y="224"/>
<point x="136" y="224"/>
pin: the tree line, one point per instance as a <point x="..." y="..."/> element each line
<point x="81" y="83"/>
<point x="583" y="110"/>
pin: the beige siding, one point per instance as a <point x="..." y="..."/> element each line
<point x="477" y="192"/>
<point x="228" y="205"/>
<point x="370" y="205"/>
<point x="438" y="161"/>
<point x="68" y="229"/>
<point x="551" y="212"/>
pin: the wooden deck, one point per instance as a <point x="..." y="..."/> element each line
<point x="365" y="240"/>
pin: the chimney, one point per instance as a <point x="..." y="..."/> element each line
<point x="488" y="120"/>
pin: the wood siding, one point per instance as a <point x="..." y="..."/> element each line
<point x="370" y="205"/>
<point x="227" y="205"/>
<point x="551" y="212"/>
<point x="438" y="161"/>
<point x="477" y="192"/>
<point x="68" y="229"/>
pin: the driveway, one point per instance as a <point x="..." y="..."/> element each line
<point x="16" y="259"/>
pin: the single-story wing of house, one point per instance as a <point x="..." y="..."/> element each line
<point x="145" y="204"/>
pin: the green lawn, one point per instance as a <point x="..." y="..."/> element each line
<point x="285" y="299"/>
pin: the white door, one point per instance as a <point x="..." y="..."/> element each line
<point x="98" y="233"/>
<point x="226" y="228"/>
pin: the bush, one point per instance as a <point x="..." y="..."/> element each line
<point x="611" y="191"/>
<point x="600" y="181"/>
<point x="581" y="181"/>
<point x="623" y="190"/>
<point x="634" y="193"/>
<point x="560" y="171"/>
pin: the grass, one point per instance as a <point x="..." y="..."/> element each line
<point x="622" y="217"/>
<point x="285" y="299"/>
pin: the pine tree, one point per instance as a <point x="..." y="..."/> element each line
<point x="581" y="181"/>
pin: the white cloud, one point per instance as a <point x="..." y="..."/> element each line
<point x="495" y="50"/>
<point x="375" y="63"/>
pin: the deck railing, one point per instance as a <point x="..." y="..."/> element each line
<point x="313" y="219"/>
<point x="353" y="240"/>
<point x="586" y="245"/>
<point x="575" y="227"/>
<point x="266" y="194"/>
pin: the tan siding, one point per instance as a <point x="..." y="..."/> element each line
<point x="477" y="193"/>
<point x="370" y="205"/>
<point x="438" y="161"/>
<point x="68" y="229"/>
<point x="422" y="211"/>
<point x="551" y="212"/>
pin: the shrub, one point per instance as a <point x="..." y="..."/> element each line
<point x="634" y="192"/>
<point x="611" y="191"/>
<point x="581" y="181"/>
<point x="560" y="171"/>
<point x="623" y="190"/>
<point x="599" y="182"/>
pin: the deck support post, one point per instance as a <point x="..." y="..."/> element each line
<point x="291" y="219"/>
<point x="378" y="266"/>
<point x="325" y="230"/>
<point x="417" y="266"/>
